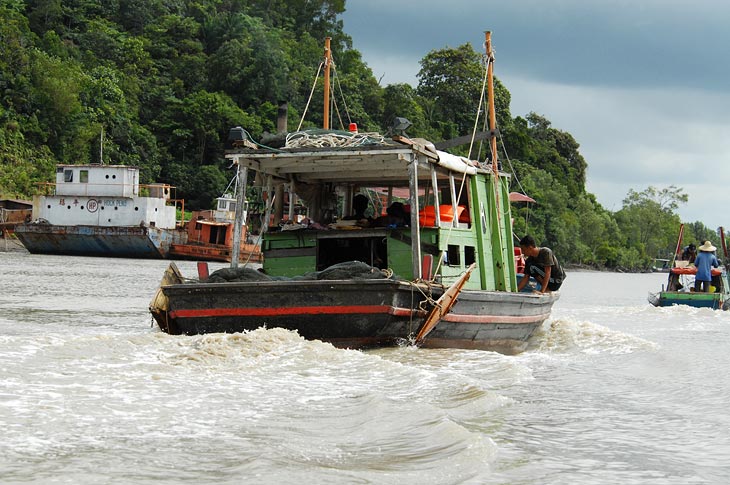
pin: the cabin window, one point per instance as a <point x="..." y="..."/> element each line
<point x="84" y="176"/>
<point x="370" y="250"/>
<point x="68" y="175"/>
<point x="469" y="255"/>
<point x="453" y="255"/>
<point x="222" y="205"/>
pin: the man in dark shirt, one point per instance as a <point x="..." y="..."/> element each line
<point x="542" y="265"/>
<point x="689" y="253"/>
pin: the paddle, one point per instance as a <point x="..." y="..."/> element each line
<point x="443" y="305"/>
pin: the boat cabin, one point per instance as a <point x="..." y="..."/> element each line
<point x="453" y="211"/>
<point x="104" y="195"/>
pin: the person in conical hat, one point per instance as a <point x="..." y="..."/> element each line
<point x="705" y="261"/>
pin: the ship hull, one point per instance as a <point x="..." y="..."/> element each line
<point x="352" y="313"/>
<point x="126" y="242"/>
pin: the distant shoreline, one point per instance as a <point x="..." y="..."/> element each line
<point x="586" y="268"/>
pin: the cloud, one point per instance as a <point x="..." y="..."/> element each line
<point x="640" y="85"/>
<point x="599" y="42"/>
<point x="634" y="138"/>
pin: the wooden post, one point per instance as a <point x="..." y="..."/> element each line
<point x="454" y="201"/>
<point x="436" y="199"/>
<point x="415" y="228"/>
<point x="269" y="203"/>
<point x="278" y="204"/>
<point x="240" y="219"/>
<point x="203" y="271"/>
<point x="327" y="63"/>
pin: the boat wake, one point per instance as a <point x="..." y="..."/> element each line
<point x="566" y="335"/>
<point x="427" y="416"/>
<point x="248" y="348"/>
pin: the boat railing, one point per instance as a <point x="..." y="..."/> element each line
<point x="160" y="191"/>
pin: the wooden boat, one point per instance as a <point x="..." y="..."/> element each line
<point x="661" y="265"/>
<point x="210" y="236"/>
<point x="459" y="217"/>
<point x="12" y="213"/>
<point x="679" y="289"/>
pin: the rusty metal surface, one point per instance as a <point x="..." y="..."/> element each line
<point x="131" y="242"/>
<point x="213" y="252"/>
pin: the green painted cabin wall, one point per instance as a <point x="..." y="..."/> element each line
<point x="289" y="265"/>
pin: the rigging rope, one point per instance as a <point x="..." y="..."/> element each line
<point x="344" y="102"/>
<point x="310" y="96"/>
<point x="479" y="107"/>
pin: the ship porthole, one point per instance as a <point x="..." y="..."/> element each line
<point x="116" y="208"/>
<point x="136" y="208"/>
<point x="49" y="206"/>
<point x="82" y="207"/>
<point x="68" y="207"/>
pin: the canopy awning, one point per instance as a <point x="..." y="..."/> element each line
<point x="211" y="223"/>
<point x="517" y="197"/>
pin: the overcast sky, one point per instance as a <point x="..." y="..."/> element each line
<point x="642" y="85"/>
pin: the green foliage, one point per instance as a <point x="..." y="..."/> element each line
<point x="648" y="221"/>
<point x="453" y="80"/>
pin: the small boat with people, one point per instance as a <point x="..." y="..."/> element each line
<point x="438" y="269"/>
<point x="684" y="286"/>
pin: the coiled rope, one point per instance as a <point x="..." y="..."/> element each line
<point x="334" y="139"/>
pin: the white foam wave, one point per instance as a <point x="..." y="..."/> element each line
<point x="567" y="335"/>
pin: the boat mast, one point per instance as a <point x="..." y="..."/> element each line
<point x="490" y="100"/>
<point x="502" y="234"/>
<point x="327" y="63"/>
<point x="492" y="115"/>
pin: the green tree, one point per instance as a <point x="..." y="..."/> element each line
<point x="453" y="79"/>
<point x="252" y="67"/>
<point x="648" y="221"/>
